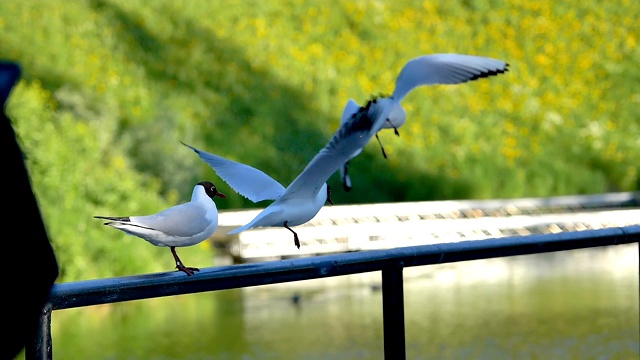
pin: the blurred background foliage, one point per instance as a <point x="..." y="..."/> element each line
<point x="110" y="87"/>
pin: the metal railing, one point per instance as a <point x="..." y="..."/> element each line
<point x="390" y="262"/>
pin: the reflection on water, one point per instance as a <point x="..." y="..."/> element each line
<point x="580" y="304"/>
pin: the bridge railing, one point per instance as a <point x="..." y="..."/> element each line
<point x="359" y="227"/>
<point x="390" y="262"/>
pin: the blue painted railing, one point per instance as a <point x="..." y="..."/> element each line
<point x="390" y="262"/>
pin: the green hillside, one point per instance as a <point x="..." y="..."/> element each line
<point x="109" y="89"/>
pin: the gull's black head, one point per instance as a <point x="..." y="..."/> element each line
<point x="211" y="189"/>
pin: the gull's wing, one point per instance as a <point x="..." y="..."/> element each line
<point x="445" y="69"/>
<point x="350" y="138"/>
<point x="186" y="219"/>
<point x="350" y="108"/>
<point x="247" y="181"/>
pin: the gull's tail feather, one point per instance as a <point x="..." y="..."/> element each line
<point x="237" y="230"/>
<point x="265" y="218"/>
<point x="113" y="218"/>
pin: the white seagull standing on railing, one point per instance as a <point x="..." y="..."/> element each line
<point x="308" y="192"/>
<point x="178" y="226"/>
<point x="425" y="70"/>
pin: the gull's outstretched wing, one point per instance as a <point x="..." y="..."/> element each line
<point x="247" y="181"/>
<point x="350" y="109"/>
<point x="444" y="69"/>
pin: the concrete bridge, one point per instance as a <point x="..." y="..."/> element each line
<point x="345" y="228"/>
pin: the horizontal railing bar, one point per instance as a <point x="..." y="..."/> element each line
<point x="111" y="290"/>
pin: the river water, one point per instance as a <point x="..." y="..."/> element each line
<point x="580" y="304"/>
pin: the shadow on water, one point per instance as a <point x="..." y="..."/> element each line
<point x="580" y="304"/>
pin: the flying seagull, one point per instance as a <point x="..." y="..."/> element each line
<point x="446" y="69"/>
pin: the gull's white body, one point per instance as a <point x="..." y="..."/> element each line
<point x="181" y="225"/>
<point x="178" y="226"/>
<point x="306" y="195"/>
<point x="427" y="70"/>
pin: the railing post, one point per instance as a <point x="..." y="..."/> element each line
<point x="393" y="313"/>
<point x="41" y="347"/>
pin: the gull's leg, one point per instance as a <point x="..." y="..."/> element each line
<point x="395" y="129"/>
<point x="295" y="236"/>
<point x="187" y="270"/>
<point x="329" y="195"/>
<point x="381" y="147"/>
<point x="346" y="179"/>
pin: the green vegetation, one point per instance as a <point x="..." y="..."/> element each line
<point x="109" y="89"/>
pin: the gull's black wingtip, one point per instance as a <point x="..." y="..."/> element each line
<point x="189" y="146"/>
<point x="113" y="218"/>
<point x="489" y="73"/>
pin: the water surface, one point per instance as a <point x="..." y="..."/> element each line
<point x="580" y="304"/>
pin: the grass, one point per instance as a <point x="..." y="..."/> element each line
<point x="109" y="89"/>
